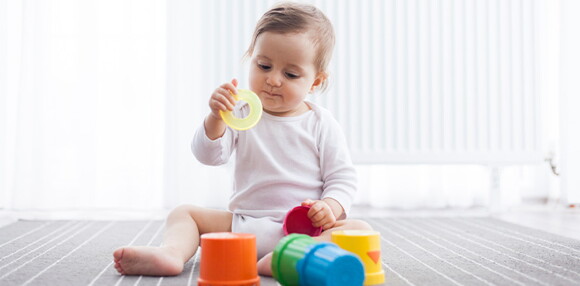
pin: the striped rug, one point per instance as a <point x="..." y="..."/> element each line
<point x="415" y="251"/>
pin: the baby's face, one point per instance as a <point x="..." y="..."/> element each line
<point x="283" y="72"/>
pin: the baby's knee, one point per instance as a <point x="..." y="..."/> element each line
<point x="357" y="224"/>
<point x="184" y="210"/>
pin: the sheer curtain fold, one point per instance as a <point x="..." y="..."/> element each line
<point x="86" y="95"/>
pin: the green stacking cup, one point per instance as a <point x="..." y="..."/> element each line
<point x="287" y="253"/>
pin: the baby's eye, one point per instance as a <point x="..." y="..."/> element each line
<point x="292" y="75"/>
<point x="264" y="67"/>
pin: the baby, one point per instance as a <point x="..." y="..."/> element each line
<point x="295" y="155"/>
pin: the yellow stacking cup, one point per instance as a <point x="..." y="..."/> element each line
<point x="253" y="117"/>
<point x="367" y="245"/>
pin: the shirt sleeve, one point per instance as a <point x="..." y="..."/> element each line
<point x="338" y="172"/>
<point x="213" y="152"/>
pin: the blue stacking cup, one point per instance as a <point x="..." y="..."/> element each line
<point x="326" y="264"/>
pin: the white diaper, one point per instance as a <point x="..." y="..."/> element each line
<point x="267" y="229"/>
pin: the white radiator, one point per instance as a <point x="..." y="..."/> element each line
<point x="436" y="81"/>
<point x="415" y="81"/>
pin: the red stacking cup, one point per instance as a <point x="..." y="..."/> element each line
<point x="297" y="221"/>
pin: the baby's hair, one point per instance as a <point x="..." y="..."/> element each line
<point x="290" y="17"/>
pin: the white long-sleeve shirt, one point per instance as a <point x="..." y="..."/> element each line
<point x="283" y="161"/>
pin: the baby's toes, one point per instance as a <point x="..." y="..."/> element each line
<point x="119" y="268"/>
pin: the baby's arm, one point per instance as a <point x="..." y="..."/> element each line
<point x="221" y="99"/>
<point x="324" y="212"/>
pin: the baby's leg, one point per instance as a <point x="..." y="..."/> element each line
<point x="183" y="228"/>
<point x="265" y="264"/>
<point x="347" y="224"/>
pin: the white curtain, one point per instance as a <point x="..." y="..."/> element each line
<point x="99" y="100"/>
<point x="83" y="88"/>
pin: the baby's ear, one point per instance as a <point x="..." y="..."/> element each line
<point x="320" y="78"/>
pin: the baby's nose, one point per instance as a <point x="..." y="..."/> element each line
<point x="274" y="80"/>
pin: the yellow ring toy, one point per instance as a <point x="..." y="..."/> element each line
<point x="255" y="111"/>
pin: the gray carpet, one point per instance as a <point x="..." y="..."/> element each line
<point x="416" y="251"/>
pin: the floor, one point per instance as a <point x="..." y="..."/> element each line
<point x="431" y="235"/>
<point x="427" y="250"/>
<point x="564" y="221"/>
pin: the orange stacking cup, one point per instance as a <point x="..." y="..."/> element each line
<point x="228" y="259"/>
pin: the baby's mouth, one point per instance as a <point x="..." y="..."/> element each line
<point x="272" y="94"/>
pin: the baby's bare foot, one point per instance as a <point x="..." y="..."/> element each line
<point x="154" y="261"/>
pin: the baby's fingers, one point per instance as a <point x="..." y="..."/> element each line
<point x="317" y="217"/>
<point x="328" y="225"/>
<point x="319" y="223"/>
<point x="222" y="100"/>
<point x="230" y="88"/>
<point x="215" y="104"/>
<point x="317" y="210"/>
<point x="321" y="218"/>
<point x="228" y="95"/>
<point x="325" y="223"/>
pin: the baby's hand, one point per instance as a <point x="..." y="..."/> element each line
<point x="222" y="99"/>
<point x="320" y="214"/>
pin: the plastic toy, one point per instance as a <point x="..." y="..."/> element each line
<point x="367" y="245"/>
<point x="253" y="117"/>
<point x="300" y="260"/>
<point x="297" y="221"/>
<point x="286" y="255"/>
<point x="228" y="259"/>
